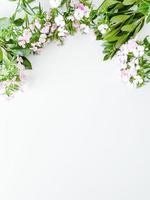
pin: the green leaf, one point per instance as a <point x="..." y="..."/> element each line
<point x="129" y="27"/>
<point x="21" y="52"/>
<point x="144" y="8"/>
<point x="129" y="2"/>
<point x="26" y="63"/>
<point x="106" y="4"/>
<point x="121" y="40"/>
<point x="148" y="19"/>
<point x="119" y="18"/>
<point x="111" y="34"/>
<point x="19" y="22"/>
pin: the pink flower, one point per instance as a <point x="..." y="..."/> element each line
<point x="80" y="6"/>
<point x="21" y="42"/>
<point x="76" y="25"/>
<point x="25" y="38"/>
<point x="81" y="11"/>
<point x="27" y="35"/>
<point x="131" y="45"/>
<point x="124" y="73"/>
<point x="45" y="30"/>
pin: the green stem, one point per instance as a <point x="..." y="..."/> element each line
<point x="28" y="4"/>
<point x="16" y="11"/>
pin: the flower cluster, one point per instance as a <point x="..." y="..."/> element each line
<point x="130" y="57"/>
<point x="36" y="36"/>
<point x="31" y="35"/>
<point x="81" y="11"/>
<point x="25" y="38"/>
<point x="54" y="26"/>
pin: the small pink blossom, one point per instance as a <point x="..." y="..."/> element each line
<point x="25" y="38"/>
<point x="45" y="30"/>
<point x="21" y="42"/>
<point x="125" y="76"/>
<point x="76" y="25"/>
<point x="81" y="11"/>
<point x="131" y="45"/>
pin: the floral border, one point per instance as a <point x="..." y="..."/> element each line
<point x="115" y="22"/>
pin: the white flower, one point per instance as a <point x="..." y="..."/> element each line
<point x="137" y="80"/>
<point x="20" y="66"/>
<point x="78" y="14"/>
<point x="141" y="50"/>
<point x="134" y="63"/>
<point x="54" y="3"/>
<point x="132" y="71"/>
<point x="59" y="20"/>
<point x="138" y="67"/>
<point x="47" y="16"/>
<point x="122" y="59"/>
<point x="84" y="28"/>
<point x="81" y="11"/>
<point x="124" y="49"/>
<point x="132" y="45"/>
<point x="19" y="59"/>
<point x="62" y="32"/>
<point x="42" y="38"/>
<point x="135" y="53"/>
<point x="21" y="42"/>
<point x="70" y="18"/>
<point x="36" y="47"/>
<point x="103" y="28"/>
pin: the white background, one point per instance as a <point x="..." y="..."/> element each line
<point x="77" y="132"/>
